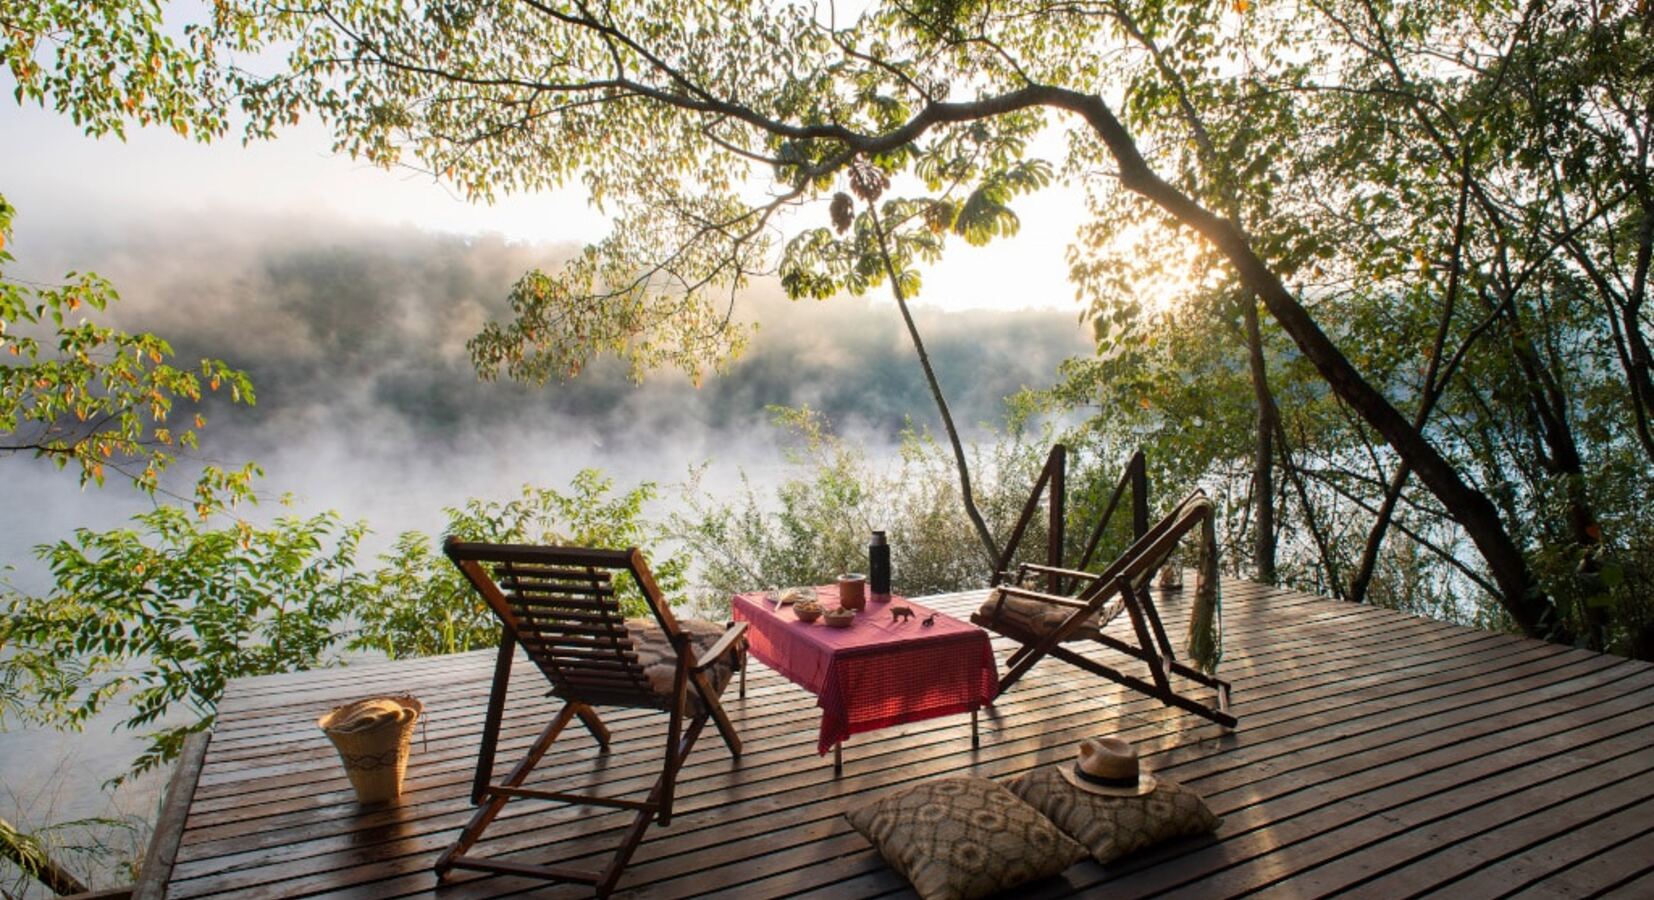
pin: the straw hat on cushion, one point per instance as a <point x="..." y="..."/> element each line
<point x="1109" y="766"/>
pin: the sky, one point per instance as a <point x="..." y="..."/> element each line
<point x="52" y="173"/>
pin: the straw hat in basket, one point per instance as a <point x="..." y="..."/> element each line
<point x="1108" y="766"/>
<point x="373" y="737"/>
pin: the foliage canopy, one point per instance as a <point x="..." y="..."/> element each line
<point x="1439" y="204"/>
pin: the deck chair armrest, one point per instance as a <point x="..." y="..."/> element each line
<point x="1046" y="598"/>
<point x="724" y="643"/>
<point x="1066" y="573"/>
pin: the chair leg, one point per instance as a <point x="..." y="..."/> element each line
<point x="1167" y="696"/>
<point x="675" y="755"/>
<point x="484" y="816"/>
<point x="1019" y="654"/>
<point x="709" y="701"/>
<point x="661" y="793"/>
<point x="588" y="717"/>
<point x="658" y="805"/>
<point x="491" y="721"/>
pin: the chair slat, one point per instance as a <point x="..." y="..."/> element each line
<point x="539" y="625"/>
<point x="606" y="607"/>
<point x="582" y="617"/>
<point x="556" y="588"/>
<point x="576" y="666"/>
<point x="566" y="573"/>
<point x="575" y="653"/>
<point x="544" y="642"/>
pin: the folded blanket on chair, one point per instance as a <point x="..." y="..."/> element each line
<point x="1035" y="617"/>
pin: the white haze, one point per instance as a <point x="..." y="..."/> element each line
<point x="355" y="337"/>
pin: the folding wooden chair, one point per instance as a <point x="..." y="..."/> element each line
<point x="559" y="605"/>
<point x="1044" y="622"/>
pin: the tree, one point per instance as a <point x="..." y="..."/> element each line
<point x="817" y="524"/>
<point x="77" y="392"/>
<point x="419" y="604"/>
<point x="1404" y="162"/>
<point x="164" y="614"/>
<point x="672" y="112"/>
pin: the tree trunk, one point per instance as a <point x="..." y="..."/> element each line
<point x="1263" y="473"/>
<point x="989" y="546"/>
<point x="1521" y="595"/>
<point x="1435" y="384"/>
<point x="1562" y="459"/>
<point x="1329" y="563"/>
<point x="1375" y="538"/>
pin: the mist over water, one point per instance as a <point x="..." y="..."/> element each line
<point x="355" y="339"/>
<point x="367" y="402"/>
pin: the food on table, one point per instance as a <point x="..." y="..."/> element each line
<point x="795" y="594"/>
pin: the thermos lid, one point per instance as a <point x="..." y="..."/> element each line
<point x="878" y="539"/>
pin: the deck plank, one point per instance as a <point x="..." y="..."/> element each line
<point x="1379" y="754"/>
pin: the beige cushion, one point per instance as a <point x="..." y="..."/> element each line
<point x="659" y="660"/>
<point x="959" y="838"/>
<point x="1034" y="617"/>
<point x="1111" y="827"/>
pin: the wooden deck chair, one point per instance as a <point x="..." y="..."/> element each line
<point x="559" y="605"/>
<point x="1043" y="622"/>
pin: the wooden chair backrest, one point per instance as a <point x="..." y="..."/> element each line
<point x="560" y="605"/>
<point x="1148" y="553"/>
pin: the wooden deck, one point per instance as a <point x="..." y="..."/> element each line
<point x="1378" y="754"/>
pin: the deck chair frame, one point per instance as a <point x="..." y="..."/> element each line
<point x="567" y="620"/>
<point x="1117" y="589"/>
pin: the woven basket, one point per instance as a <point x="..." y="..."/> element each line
<point x="373" y="737"/>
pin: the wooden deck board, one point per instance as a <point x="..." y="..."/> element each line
<point x="1379" y="754"/>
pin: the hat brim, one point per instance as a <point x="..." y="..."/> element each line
<point x="1146" y="784"/>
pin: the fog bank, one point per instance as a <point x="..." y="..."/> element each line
<point x="355" y="336"/>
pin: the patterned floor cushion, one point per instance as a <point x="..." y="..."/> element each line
<point x="961" y="838"/>
<point x="1112" y="827"/>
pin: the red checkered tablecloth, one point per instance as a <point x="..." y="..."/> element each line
<point x="878" y="672"/>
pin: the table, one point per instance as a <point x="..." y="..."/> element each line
<point x="878" y="672"/>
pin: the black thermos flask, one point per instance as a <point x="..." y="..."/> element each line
<point x="878" y="565"/>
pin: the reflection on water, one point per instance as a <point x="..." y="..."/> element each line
<point x="49" y="777"/>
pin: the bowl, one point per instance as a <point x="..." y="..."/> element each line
<point x="807" y="610"/>
<point x="840" y="617"/>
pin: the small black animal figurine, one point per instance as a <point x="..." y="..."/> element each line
<point x="929" y="620"/>
<point x="901" y="612"/>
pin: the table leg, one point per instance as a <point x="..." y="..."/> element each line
<point x="744" y="664"/>
<point x="838" y="758"/>
<point x="976" y="739"/>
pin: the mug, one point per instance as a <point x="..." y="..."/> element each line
<point x="852" y="591"/>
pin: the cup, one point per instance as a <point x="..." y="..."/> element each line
<point x="852" y="591"/>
